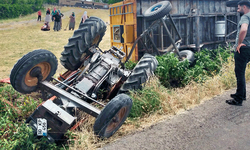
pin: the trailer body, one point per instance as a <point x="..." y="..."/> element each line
<point x="200" y="23"/>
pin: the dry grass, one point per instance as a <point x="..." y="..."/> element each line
<point x="21" y="36"/>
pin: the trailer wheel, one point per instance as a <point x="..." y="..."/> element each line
<point x="113" y="116"/>
<point x="187" y="54"/>
<point x="23" y="76"/>
<point x="140" y="74"/>
<point x="90" y="33"/>
<point x="157" y="10"/>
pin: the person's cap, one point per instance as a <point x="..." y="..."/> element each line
<point x="244" y="2"/>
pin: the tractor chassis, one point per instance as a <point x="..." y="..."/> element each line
<point x="71" y="99"/>
<point x="58" y="119"/>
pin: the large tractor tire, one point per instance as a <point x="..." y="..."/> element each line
<point x="112" y="116"/>
<point x="157" y="10"/>
<point x="25" y="73"/>
<point x="90" y="33"/>
<point x="140" y="74"/>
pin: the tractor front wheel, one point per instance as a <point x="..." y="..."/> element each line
<point x="36" y="64"/>
<point x="112" y="116"/>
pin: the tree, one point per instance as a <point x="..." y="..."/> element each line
<point x="19" y="2"/>
<point x="39" y="2"/>
<point x="31" y="1"/>
<point x="52" y="1"/>
<point x="5" y="1"/>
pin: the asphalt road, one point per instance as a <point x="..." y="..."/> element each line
<point x="213" y="125"/>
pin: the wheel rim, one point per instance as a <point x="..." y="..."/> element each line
<point x="45" y="70"/>
<point x="96" y="40"/>
<point x="116" y="120"/>
<point x="156" y="8"/>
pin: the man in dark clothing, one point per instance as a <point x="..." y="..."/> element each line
<point x="57" y="24"/>
<point x="242" y="53"/>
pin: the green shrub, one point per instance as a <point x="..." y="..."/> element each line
<point x="173" y="73"/>
<point x="170" y="71"/>
<point x="14" y="133"/>
<point x="23" y="138"/>
<point x="15" y="10"/>
<point x="145" y="101"/>
<point x="130" y="65"/>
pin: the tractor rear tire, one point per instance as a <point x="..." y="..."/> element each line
<point x="157" y="10"/>
<point x="112" y="116"/>
<point x="20" y="76"/>
<point x="90" y="33"/>
<point x="140" y="74"/>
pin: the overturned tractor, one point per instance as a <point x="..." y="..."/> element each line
<point x="96" y="82"/>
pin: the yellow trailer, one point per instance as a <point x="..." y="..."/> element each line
<point x="123" y="26"/>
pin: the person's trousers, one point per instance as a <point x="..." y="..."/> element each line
<point x="39" y="18"/>
<point x="241" y="60"/>
<point x="57" y="26"/>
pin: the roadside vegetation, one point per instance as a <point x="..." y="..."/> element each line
<point x="16" y="8"/>
<point x="176" y="86"/>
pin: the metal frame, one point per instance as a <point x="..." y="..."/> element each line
<point x="198" y="44"/>
<point x="146" y="36"/>
<point x="88" y="108"/>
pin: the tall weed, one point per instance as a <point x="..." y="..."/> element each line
<point x="171" y="71"/>
<point x="14" y="109"/>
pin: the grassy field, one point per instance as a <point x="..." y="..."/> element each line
<point x="20" y="36"/>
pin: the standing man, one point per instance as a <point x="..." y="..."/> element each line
<point x="57" y="19"/>
<point x="61" y="14"/>
<point x="39" y="15"/>
<point x="242" y="53"/>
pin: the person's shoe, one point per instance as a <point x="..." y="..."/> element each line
<point x="234" y="96"/>
<point x="234" y="102"/>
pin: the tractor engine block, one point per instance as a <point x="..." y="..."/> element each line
<point x="105" y="68"/>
